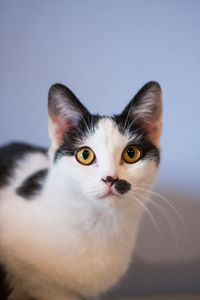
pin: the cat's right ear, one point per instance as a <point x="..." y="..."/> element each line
<point x="65" y="112"/>
<point x="145" y="112"/>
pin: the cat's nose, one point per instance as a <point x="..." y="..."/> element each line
<point x="109" y="180"/>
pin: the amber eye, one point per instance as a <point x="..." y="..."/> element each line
<point x="131" y="154"/>
<point x="85" y="156"/>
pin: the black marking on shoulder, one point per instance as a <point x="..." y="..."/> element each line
<point x="10" y="154"/>
<point x="139" y="138"/>
<point x="32" y="185"/>
<point x="71" y="141"/>
<point x="5" y="289"/>
<point x="122" y="186"/>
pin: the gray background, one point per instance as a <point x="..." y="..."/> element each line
<point x="105" y="51"/>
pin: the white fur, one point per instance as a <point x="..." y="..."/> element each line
<point x="71" y="240"/>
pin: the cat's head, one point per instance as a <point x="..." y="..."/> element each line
<point x="106" y="158"/>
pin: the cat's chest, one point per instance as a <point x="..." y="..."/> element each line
<point x="80" y="262"/>
<point x="61" y="253"/>
<point x="86" y="266"/>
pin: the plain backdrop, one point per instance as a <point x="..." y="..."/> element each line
<point x="105" y="51"/>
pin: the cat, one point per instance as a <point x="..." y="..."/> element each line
<point x="69" y="216"/>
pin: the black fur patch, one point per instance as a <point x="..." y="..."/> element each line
<point x="140" y="139"/>
<point x="122" y="186"/>
<point x="10" y="154"/>
<point x="148" y="149"/>
<point x="5" y="290"/>
<point x="32" y="185"/>
<point x="71" y="141"/>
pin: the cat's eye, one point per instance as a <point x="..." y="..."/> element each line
<point x="85" y="156"/>
<point x="131" y="154"/>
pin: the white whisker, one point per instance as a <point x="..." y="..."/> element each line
<point x="149" y="214"/>
<point x="166" y="215"/>
<point x="165" y="200"/>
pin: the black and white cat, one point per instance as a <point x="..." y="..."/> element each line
<point x="69" y="217"/>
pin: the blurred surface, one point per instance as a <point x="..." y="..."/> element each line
<point x="105" y="51"/>
<point x="192" y="296"/>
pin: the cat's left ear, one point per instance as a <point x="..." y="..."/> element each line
<point x="145" y="111"/>
<point x="65" y="113"/>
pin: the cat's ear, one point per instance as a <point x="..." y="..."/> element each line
<point x="145" y="111"/>
<point x="65" y="112"/>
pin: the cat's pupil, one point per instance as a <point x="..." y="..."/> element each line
<point x="85" y="154"/>
<point x="131" y="152"/>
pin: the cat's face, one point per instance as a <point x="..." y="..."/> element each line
<point x="106" y="159"/>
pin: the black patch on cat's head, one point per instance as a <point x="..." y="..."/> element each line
<point x="32" y="185"/>
<point x="148" y="149"/>
<point x="72" y="140"/>
<point x="140" y="140"/>
<point x="5" y="289"/>
<point x="122" y="186"/>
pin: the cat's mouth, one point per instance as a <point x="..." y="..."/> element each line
<point x="119" y="188"/>
<point x="109" y="193"/>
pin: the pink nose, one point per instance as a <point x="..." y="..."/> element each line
<point x="109" y="180"/>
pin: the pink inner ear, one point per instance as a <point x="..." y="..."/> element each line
<point x="57" y="128"/>
<point x="155" y="131"/>
<point x="152" y="125"/>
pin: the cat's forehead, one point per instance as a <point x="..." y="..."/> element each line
<point x="107" y="134"/>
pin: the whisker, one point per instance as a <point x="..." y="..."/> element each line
<point x="166" y="215"/>
<point x="165" y="200"/>
<point x="149" y="214"/>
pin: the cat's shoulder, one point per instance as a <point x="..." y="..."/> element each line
<point x="12" y="154"/>
<point x="16" y="150"/>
